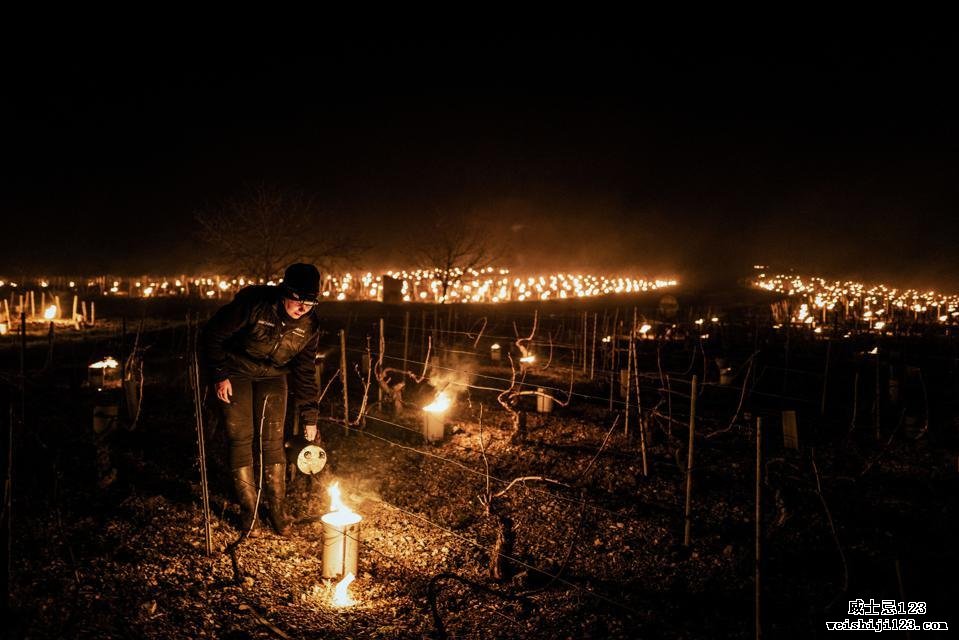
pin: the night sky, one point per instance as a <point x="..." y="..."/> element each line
<point x="697" y="156"/>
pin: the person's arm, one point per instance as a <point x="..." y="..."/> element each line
<point x="305" y="390"/>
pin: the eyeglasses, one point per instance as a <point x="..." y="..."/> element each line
<point x="309" y="304"/>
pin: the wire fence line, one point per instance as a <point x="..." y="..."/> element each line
<point x="469" y="469"/>
<point x="649" y="375"/>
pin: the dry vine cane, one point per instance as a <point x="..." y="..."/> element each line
<point x="392" y="381"/>
<point x="510" y="397"/>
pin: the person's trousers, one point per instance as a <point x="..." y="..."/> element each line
<point x="257" y="403"/>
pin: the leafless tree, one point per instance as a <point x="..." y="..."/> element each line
<point x="450" y="247"/>
<point x="265" y="229"/>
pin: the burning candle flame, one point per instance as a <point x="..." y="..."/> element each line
<point x="440" y="404"/>
<point x="336" y="500"/>
<point x="106" y="363"/>
<point x="340" y="515"/>
<point x="341" y="595"/>
<point x="51" y="312"/>
<point x="528" y="359"/>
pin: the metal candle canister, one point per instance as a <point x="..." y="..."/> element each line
<point x="494" y="353"/>
<point x="104" y="374"/>
<point x="434" y="417"/>
<point x="341" y="540"/>
<point x="544" y="402"/>
<point x="433" y="425"/>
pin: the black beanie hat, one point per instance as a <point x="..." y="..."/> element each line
<point x="303" y="280"/>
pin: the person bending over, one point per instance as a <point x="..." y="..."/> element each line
<point x="253" y="347"/>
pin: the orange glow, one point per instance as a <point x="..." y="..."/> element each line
<point x="440" y="404"/>
<point x="340" y="515"/>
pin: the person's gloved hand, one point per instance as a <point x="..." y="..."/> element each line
<point x="309" y="432"/>
<point x="224" y="390"/>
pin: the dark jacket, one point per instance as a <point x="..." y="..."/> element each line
<point x="253" y="337"/>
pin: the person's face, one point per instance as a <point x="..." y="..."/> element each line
<point x="296" y="309"/>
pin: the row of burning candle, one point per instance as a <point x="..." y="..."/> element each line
<point x="484" y="285"/>
<point x="873" y="303"/>
<point x="50" y="314"/>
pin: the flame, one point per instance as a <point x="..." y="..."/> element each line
<point x="341" y="596"/>
<point x="495" y="346"/>
<point x="440" y="404"/>
<point x="528" y="359"/>
<point x="336" y="499"/>
<point x="340" y="515"/>
<point x="106" y="363"/>
<point x="645" y="328"/>
<point x="51" y="312"/>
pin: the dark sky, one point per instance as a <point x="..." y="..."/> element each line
<point x="695" y="155"/>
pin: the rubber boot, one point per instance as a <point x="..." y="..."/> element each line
<point x="245" y="487"/>
<point x="276" y="498"/>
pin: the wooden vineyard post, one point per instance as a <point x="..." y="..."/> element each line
<point x="23" y="366"/>
<point x="758" y="559"/>
<point x="422" y="333"/>
<point x="629" y="371"/>
<point x="639" y="414"/>
<point x="689" y="462"/>
<point x="585" y="333"/>
<point x="669" y="407"/>
<point x="615" y="334"/>
<point x="406" y="339"/>
<point x="123" y="348"/>
<point x="790" y="430"/>
<point x="382" y="354"/>
<point x="877" y="408"/>
<point x="50" y="341"/>
<point x="343" y="380"/>
<point x="592" y="358"/>
<point x="612" y="384"/>
<point x="825" y="377"/>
